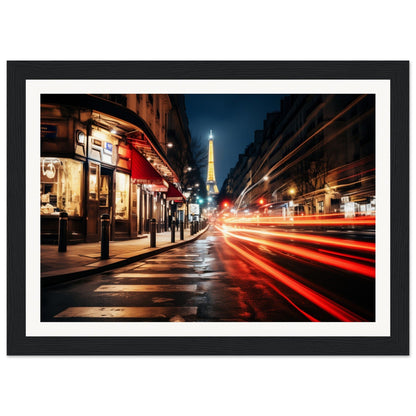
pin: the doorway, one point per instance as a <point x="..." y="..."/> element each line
<point x="93" y="178"/>
<point x="106" y="196"/>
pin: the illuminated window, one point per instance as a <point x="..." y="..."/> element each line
<point x="122" y="196"/>
<point x="60" y="186"/>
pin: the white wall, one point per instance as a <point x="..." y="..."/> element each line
<point x="269" y="30"/>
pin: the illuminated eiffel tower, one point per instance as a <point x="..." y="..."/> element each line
<point x="212" y="187"/>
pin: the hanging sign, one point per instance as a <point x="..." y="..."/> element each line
<point x="48" y="131"/>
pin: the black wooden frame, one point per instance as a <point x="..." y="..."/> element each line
<point x="395" y="344"/>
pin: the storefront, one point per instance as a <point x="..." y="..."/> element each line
<point x="150" y="189"/>
<point x="61" y="189"/>
<point x="90" y="165"/>
<point x="176" y="206"/>
<point x="86" y="184"/>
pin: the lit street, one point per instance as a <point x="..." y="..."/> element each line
<point x="245" y="274"/>
<point x="130" y="182"/>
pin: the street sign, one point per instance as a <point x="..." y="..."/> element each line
<point x="194" y="209"/>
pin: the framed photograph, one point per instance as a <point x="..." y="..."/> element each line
<point x="208" y="208"/>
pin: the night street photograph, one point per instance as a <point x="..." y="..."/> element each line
<point x="225" y="197"/>
<point x="208" y="208"/>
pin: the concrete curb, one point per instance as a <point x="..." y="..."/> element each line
<point x="88" y="271"/>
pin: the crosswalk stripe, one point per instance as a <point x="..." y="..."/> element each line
<point x="176" y="260"/>
<point x="162" y="275"/>
<point x="127" y="312"/>
<point x="167" y="266"/>
<point x="146" y="288"/>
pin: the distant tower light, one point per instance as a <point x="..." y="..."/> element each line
<point x="211" y="183"/>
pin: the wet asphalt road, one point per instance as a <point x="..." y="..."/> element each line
<point x="206" y="281"/>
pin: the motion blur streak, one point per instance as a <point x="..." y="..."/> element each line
<point x="347" y="255"/>
<point x="348" y="265"/>
<point x="323" y="302"/>
<point x="305" y="220"/>
<point x="336" y="242"/>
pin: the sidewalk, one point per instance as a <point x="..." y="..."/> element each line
<point x="85" y="259"/>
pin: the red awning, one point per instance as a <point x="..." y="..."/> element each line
<point x="174" y="194"/>
<point x="142" y="172"/>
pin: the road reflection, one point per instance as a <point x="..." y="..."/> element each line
<point x="335" y="273"/>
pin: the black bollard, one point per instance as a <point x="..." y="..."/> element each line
<point x="191" y="227"/>
<point x="172" y="231"/>
<point x="62" y="232"/>
<point x="152" y="232"/>
<point x="181" y="231"/>
<point x="105" y="236"/>
<point x="196" y="226"/>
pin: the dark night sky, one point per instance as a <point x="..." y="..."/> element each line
<point x="233" y="119"/>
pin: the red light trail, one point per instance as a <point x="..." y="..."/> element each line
<point x="328" y="241"/>
<point x="347" y="255"/>
<point x="331" y="307"/>
<point x="329" y="260"/>
<point x="306" y="220"/>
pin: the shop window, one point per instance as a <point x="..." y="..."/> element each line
<point x="122" y="196"/>
<point x="60" y="186"/>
